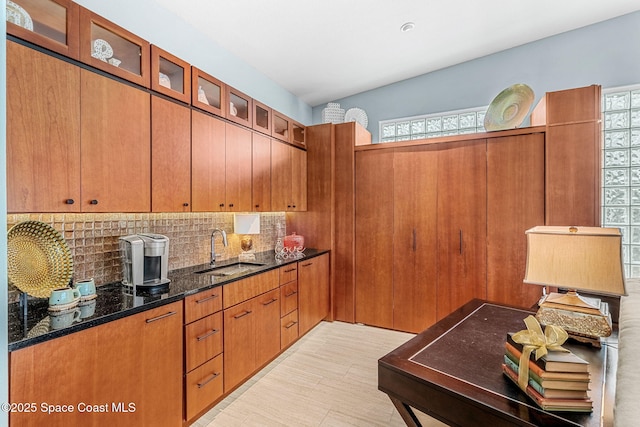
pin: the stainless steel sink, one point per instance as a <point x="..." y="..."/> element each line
<point x="231" y="269"/>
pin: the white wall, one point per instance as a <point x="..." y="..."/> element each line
<point x="605" y="53"/>
<point x="153" y="23"/>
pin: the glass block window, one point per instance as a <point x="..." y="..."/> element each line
<point x="621" y="170"/>
<point x="457" y="122"/>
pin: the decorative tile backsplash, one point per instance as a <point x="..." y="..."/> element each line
<point x="93" y="238"/>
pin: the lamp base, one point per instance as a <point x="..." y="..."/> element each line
<point x="582" y="323"/>
<point x="246" y="256"/>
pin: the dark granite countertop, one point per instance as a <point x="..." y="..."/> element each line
<point x="115" y="301"/>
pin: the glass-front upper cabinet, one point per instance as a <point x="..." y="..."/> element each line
<point x="297" y="133"/>
<point x="170" y="75"/>
<point x="240" y="108"/>
<point x="208" y="93"/>
<point x="280" y="127"/>
<point x="52" y="24"/>
<point x="113" y="49"/>
<point x="261" y="117"/>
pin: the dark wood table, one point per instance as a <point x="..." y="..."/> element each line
<point x="452" y="372"/>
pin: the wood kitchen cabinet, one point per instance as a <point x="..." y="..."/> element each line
<point x="515" y="203"/>
<point x="207" y="163"/>
<point x="170" y="156"/>
<point x="204" y="360"/>
<point x="134" y="364"/>
<point x="288" y="304"/>
<point x="170" y="75"/>
<point x="43" y="132"/>
<point x="261" y="173"/>
<point x="55" y="25"/>
<point x="238" y="169"/>
<point x="262" y="121"/>
<point x="251" y="336"/>
<point x="116" y="146"/>
<point x="462" y="224"/>
<point x="313" y="292"/>
<point x="288" y="178"/>
<point x="240" y="108"/>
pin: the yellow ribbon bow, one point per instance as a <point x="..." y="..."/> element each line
<point x="534" y="339"/>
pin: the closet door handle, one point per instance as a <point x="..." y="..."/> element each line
<point x="415" y="240"/>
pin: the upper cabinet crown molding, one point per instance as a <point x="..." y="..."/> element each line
<point x="54" y="25"/>
<point x="111" y="48"/>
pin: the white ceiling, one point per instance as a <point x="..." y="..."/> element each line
<point x="323" y="50"/>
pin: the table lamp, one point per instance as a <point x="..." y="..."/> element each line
<point x="576" y="258"/>
<point x="246" y="224"/>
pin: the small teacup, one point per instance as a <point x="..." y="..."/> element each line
<point x="86" y="287"/>
<point x="87" y="309"/>
<point x="62" y="296"/>
<point x="65" y="318"/>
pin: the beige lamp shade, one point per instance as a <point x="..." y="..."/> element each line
<point x="246" y="223"/>
<point x="577" y="258"/>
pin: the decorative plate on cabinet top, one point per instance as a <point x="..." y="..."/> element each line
<point x="17" y="15"/>
<point x="356" y="115"/>
<point x="38" y="258"/>
<point x="509" y="108"/>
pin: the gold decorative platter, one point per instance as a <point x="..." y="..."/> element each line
<point x="509" y="108"/>
<point x="38" y="258"/>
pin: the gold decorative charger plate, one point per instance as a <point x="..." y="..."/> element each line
<point x="509" y="108"/>
<point x="39" y="259"/>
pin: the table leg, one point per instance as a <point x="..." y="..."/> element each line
<point x="406" y="413"/>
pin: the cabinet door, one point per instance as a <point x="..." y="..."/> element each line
<point x="238" y="169"/>
<point x="116" y="146"/>
<point x="207" y="163"/>
<point x="267" y="333"/>
<point x="261" y="174"/>
<point x="374" y="238"/>
<point x="515" y="203"/>
<point x="43" y="132"/>
<point x="313" y="292"/>
<point x="170" y="156"/>
<point x="239" y="343"/>
<point x="462" y="222"/>
<point x="203" y="340"/>
<point x="280" y="176"/>
<point x="298" y="180"/>
<point x="161" y="365"/>
<point x="131" y="392"/>
<point x="415" y="269"/>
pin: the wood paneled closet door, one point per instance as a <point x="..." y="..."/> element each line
<point x="462" y="224"/>
<point x="415" y="265"/>
<point x="374" y="238"/>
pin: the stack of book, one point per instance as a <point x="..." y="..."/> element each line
<point x="558" y="381"/>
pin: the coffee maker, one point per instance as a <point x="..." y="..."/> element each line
<point x="145" y="260"/>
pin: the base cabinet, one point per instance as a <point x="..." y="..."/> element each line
<point x="126" y="373"/>
<point x="313" y="292"/>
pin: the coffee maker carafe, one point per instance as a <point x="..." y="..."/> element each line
<point x="145" y="260"/>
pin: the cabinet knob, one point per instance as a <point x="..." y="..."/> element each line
<point x="69" y="201"/>
<point x="222" y="205"/>
<point x="257" y="206"/>
<point x="93" y="202"/>
<point x="231" y="205"/>
<point x="185" y="204"/>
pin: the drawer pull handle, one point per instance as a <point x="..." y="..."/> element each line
<point x="290" y="325"/>
<point x="291" y="294"/>
<point x="307" y="264"/>
<point x="290" y="270"/>
<point x="208" y="334"/>
<point x="208" y="380"/>
<point x="200" y="301"/>
<point x="271" y="301"/>
<point x="237" y="316"/>
<point x="162" y="316"/>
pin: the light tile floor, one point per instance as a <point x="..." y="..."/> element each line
<point x="327" y="378"/>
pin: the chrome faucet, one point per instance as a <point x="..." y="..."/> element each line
<point x="224" y="242"/>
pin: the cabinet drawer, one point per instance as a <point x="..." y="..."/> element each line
<point x="245" y="289"/>
<point x="204" y="386"/>
<point x="202" y="304"/>
<point x="288" y="273"/>
<point x="289" y="329"/>
<point x="203" y="340"/>
<point x="288" y="298"/>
